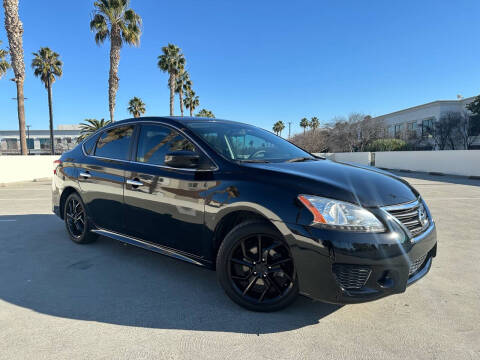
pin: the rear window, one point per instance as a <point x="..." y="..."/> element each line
<point x="115" y="143"/>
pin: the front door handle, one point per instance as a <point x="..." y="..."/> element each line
<point x="85" y="175"/>
<point x="135" y="183"/>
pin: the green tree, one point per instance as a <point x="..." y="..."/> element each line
<point x="304" y="124"/>
<point x="171" y="61"/>
<point x="205" y="113"/>
<point x="314" y="123"/>
<point x="136" y="107"/>
<point x="114" y="20"/>
<point x="183" y="85"/>
<point x="90" y="126"/>
<point x="14" y="29"/>
<point x="4" y="64"/>
<point x="47" y="66"/>
<point x="191" y="101"/>
<point x="474" y="106"/>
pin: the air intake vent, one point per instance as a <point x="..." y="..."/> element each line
<point x="416" y="265"/>
<point x="351" y="276"/>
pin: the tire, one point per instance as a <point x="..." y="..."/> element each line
<point x="259" y="281"/>
<point x="76" y="220"/>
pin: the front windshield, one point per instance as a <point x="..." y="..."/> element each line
<point x="246" y="143"/>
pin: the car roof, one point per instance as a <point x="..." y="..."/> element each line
<point x="175" y="120"/>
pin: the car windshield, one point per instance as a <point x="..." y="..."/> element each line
<point x="246" y="143"/>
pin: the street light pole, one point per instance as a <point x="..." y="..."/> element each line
<point x="289" y="124"/>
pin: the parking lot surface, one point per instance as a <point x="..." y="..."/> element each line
<point x="59" y="300"/>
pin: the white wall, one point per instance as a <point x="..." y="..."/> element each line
<point x="25" y="168"/>
<point x="454" y="162"/>
<point x="355" y="157"/>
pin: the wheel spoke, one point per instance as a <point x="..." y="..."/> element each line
<point x="254" y="280"/>
<point x="281" y="262"/>
<point x="274" y="284"/>
<point x="259" y="239"/>
<point x="264" y="292"/>
<point x="241" y="262"/>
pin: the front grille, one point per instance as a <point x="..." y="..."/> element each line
<point x="416" y="264"/>
<point x="351" y="276"/>
<point x="412" y="215"/>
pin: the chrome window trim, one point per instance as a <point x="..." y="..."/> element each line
<point x="402" y="206"/>
<point x="155" y="165"/>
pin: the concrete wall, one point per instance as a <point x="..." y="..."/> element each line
<point x="355" y="157"/>
<point x="25" y="168"/>
<point x="454" y="162"/>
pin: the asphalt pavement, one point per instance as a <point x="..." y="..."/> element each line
<point x="59" y="300"/>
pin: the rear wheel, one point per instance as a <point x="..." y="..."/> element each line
<point x="76" y="220"/>
<point x="256" y="269"/>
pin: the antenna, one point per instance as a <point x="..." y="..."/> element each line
<point x="289" y="124"/>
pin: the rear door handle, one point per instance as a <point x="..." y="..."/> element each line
<point x="85" y="175"/>
<point x="134" y="183"/>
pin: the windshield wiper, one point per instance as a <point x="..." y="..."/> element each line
<point x="299" y="159"/>
<point x="253" y="161"/>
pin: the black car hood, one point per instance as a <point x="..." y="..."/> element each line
<point x="366" y="186"/>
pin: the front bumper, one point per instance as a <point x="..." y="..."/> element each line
<point x="331" y="264"/>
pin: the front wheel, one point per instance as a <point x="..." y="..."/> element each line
<point x="76" y="220"/>
<point x="256" y="269"/>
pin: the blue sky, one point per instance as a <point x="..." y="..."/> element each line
<point x="257" y="61"/>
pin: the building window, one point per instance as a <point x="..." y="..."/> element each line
<point x="12" y="144"/>
<point x="412" y="129"/>
<point x="398" y="130"/>
<point x="69" y="140"/>
<point x="391" y="131"/>
<point x="30" y="143"/>
<point x="44" y="144"/>
<point x="427" y="125"/>
<point x="59" y="140"/>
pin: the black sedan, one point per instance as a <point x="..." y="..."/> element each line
<point x="272" y="219"/>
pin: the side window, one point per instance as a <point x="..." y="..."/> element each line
<point x="156" y="141"/>
<point x="89" y="145"/>
<point x="114" y="143"/>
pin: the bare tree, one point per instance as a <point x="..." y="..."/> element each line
<point x="445" y="130"/>
<point x="468" y="129"/>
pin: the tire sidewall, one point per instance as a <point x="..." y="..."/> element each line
<point x="223" y="265"/>
<point x="83" y="238"/>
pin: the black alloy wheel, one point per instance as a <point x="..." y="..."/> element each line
<point x="256" y="268"/>
<point x="76" y="220"/>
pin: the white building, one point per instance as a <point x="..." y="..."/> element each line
<point x="38" y="141"/>
<point x="415" y="120"/>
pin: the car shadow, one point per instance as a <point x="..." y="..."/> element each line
<point x="107" y="281"/>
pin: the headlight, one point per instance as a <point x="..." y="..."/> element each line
<point x="341" y="215"/>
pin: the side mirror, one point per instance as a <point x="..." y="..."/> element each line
<point x="182" y="159"/>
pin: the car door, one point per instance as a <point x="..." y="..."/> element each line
<point x="165" y="205"/>
<point x="102" y="177"/>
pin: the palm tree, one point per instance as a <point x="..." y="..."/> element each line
<point x="278" y="127"/>
<point x="191" y="101"/>
<point x="14" y="28"/>
<point x="90" y="126"/>
<point x="281" y="126"/>
<point x="136" y="107"/>
<point x="205" y="113"/>
<point x="304" y="124"/>
<point x="183" y="84"/>
<point x="114" y="20"/>
<point x="46" y="65"/>
<point x="4" y="64"/>
<point x="173" y="62"/>
<point x="314" y="123"/>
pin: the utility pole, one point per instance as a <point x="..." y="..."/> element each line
<point x="289" y="124"/>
